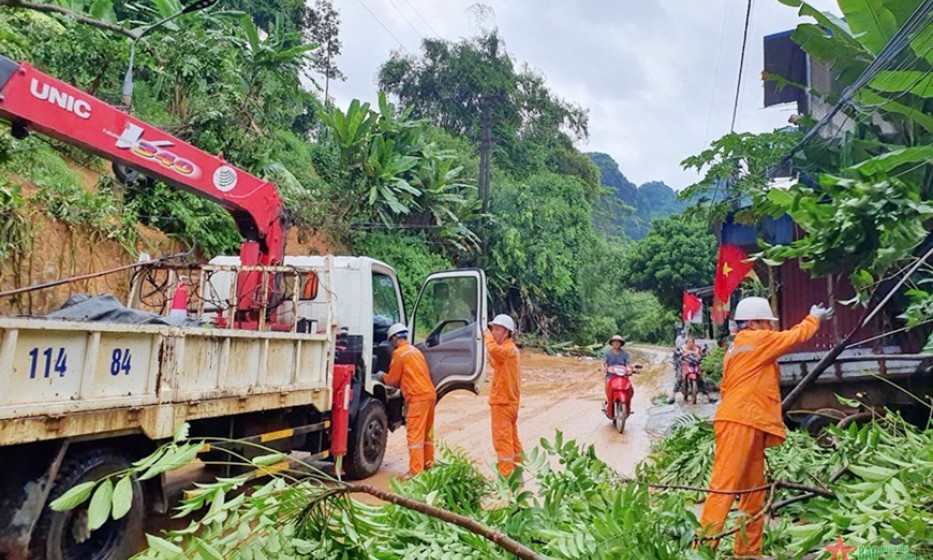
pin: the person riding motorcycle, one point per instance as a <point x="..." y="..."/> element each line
<point x="615" y="356"/>
<point x="689" y="351"/>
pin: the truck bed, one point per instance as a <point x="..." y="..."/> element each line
<point x="64" y="379"/>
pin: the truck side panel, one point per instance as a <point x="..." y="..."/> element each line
<point x="64" y="379"/>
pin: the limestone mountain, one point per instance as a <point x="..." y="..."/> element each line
<point x="640" y="205"/>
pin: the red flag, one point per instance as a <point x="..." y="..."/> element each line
<point x="732" y="268"/>
<point x="692" y="306"/>
<point x="718" y="313"/>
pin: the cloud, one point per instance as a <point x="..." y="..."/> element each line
<point x="658" y="76"/>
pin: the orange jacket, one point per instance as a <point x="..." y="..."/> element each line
<point x="751" y="392"/>
<point x="409" y="370"/>
<point x="506" y="380"/>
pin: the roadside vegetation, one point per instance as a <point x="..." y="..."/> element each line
<point x="396" y="178"/>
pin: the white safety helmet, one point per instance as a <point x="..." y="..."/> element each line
<point x="504" y="321"/>
<point x="396" y="329"/>
<point x="754" y="309"/>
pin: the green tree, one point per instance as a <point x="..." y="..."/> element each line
<point x="679" y="252"/>
<point x="543" y="228"/>
<point x="455" y="84"/>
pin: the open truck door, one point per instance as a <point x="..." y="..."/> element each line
<point x="447" y="326"/>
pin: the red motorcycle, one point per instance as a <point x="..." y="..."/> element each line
<point x="691" y="382"/>
<point x="619" y="394"/>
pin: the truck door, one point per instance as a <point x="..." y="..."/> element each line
<point x="447" y="326"/>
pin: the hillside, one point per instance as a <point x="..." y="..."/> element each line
<point x="644" y="203"/>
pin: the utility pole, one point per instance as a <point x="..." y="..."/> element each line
<point x="487" y="103"/>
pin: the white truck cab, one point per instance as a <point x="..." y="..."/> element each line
<point x="364" y="295"/>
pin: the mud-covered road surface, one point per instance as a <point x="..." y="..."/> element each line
<point x="558" y="393"/>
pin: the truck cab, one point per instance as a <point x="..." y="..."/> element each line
<point x="364" y="296"/>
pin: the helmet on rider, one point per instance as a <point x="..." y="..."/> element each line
<point x="617" y="338"/>
<point x="754" y="309"/>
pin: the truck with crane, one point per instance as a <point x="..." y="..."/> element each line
<point x="279" y="350"/>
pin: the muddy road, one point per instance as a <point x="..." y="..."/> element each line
<point x="558" y="393"/>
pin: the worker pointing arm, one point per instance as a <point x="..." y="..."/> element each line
<point x="749" y="419"/>
<point x="504" y="394"/>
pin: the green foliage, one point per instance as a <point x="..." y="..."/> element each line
<point x="736" y="166"/>
<point x="14" y="225"/>
<point x="539" y="279"/>
<point x="392" y="175"/>
<point x="608" y="307"/>
<point x="712" y="365"/>
<point x="882" y="221"/>
<point x="870" y="210"/>
<point x="872" y="507"/>
<point x="678" y="252"/>
<point x="63" y="195"/>
<point x="579" y="509"/>
<point x="230" y="82"/>
<point x="191" y="218"/>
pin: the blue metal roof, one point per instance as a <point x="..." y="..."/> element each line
<point x="779" y="231"/>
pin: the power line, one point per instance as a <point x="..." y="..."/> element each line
<point x="422" y="18"/>
<point x="387" y="30"/>
<point x="406" y="19"/>
<point x="712" y="95"/>
<point x="738" y="85"/>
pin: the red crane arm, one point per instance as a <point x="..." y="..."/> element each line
<point x="33" y="100"/>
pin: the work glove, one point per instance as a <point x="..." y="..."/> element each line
<point x="821" y="312"/>
<point x="379" y="375"/>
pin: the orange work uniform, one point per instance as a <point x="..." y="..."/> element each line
<point x="409" y="370"/>
<point x="749" y="421"/>
<point x="503" y="402"/>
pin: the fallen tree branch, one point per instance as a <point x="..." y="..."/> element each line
<point x="500" y="539"/>
<point x="744" y="523"/>
<point x="81" y="18"/>
<point x="807" y="495"/>
<point x="779" y="484"/>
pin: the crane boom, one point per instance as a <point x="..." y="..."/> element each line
<point x="32" y="100"/>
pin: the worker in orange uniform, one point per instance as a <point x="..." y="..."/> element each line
<point x="409" y="370"/>
<point x="504" y="395"/>
<point x="749" y="419"/>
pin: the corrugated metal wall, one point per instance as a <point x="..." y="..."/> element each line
<point x="799" y="291"/>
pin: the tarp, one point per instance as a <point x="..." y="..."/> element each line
<point x="83" y="307"/>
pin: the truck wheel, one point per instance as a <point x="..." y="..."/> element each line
<point x="64" y="535"/>
<point x="367" y="442"/>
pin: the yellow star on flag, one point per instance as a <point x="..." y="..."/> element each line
<point x="726" y="269"/>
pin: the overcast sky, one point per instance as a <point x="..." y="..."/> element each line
<point x="658" y="76"/>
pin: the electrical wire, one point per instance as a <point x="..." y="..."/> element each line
<point x="379" y="21"/>
<point x="422" y="18"/>
<point x="712" y="94"/>
<point x="738" y="85"/>
<point x="404" y="17"/>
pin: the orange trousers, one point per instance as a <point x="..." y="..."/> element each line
<point x="505" y="436"/>
<point x="738" y="464"/>
<point x="419" y="425"/>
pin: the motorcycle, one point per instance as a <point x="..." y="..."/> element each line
<point x="619" y="394"/>
<point x="690" y="368"/>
